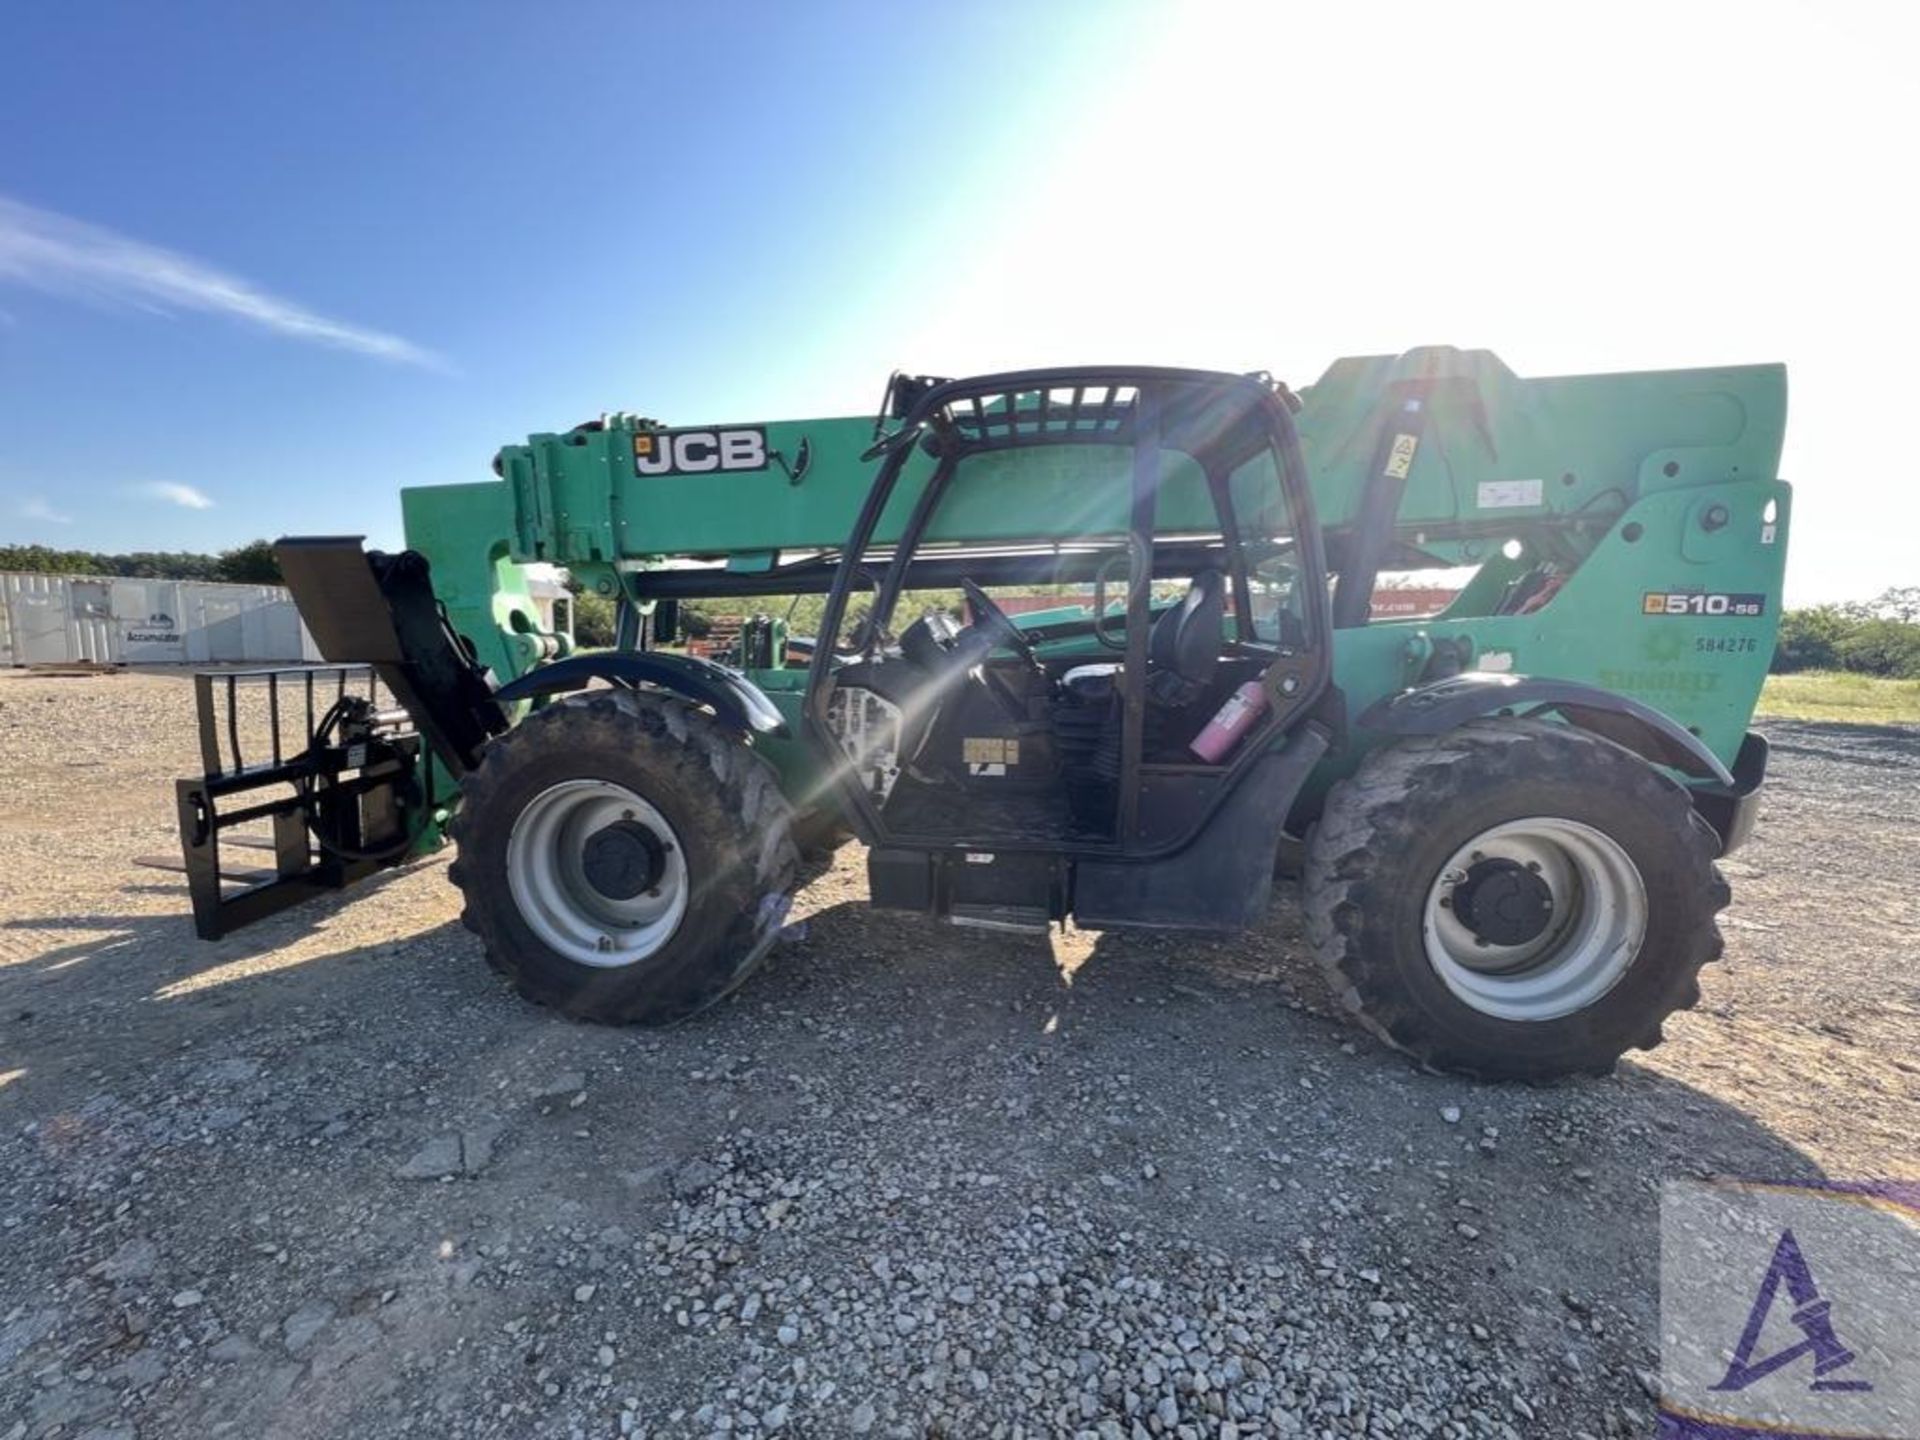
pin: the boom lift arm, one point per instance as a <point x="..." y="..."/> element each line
<point x="1628" y="530"/>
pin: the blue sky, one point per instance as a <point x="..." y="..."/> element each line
<point x="283" y="260"/>
<point x="551" y="210"/>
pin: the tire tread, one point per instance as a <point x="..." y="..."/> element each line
<point x="1375" y="816"/>
<point x="707" y="760"/>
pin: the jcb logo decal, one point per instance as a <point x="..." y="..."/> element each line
<point x="699" y="452"/>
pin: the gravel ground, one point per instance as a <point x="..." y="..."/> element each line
<point x="328" y="1177"/>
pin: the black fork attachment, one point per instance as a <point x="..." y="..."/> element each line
<point x="349" y="791"/>
<point x="357" y="792"/>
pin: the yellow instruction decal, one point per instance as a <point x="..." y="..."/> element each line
<point x="993" y="751"/>
<point x="1400" y="458"/>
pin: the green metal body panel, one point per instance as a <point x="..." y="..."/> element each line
<point x="1656" y="494"/>
<point x="467" y="534"/>
<point x="1703" y="670"/>
<point x="1597" y="442"/>
<point x="576" y="500"/>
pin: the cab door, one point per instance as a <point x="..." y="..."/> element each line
<point x="1217" y="742"/>
<point x="1186" y="487"/>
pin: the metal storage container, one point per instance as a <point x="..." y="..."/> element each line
<point x="59" y="619"/>
<point x="54" y="619"/>
<point x="148" y="622"/>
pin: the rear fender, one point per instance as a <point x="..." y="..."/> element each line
<point x="1446" y="704"/>
<point x="734" y="698"/>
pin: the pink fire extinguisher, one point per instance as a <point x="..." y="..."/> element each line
<point x="1230" y="722"/>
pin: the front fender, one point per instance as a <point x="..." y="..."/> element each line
<point x="1445" y="704"/>
<point x="734" y="698"/>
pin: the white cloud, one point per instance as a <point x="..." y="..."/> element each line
<point x="63" y="256"/>
<point x="174" y="493"/>
<point x="36" y="508"/>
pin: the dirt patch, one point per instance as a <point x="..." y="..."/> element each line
<point x="328" y="1177"/>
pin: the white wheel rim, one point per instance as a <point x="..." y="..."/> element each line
<point x="1594" y="932"/>
<point x="547" y="875"/>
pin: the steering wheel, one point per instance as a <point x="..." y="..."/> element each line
<point x="995" y="625"/>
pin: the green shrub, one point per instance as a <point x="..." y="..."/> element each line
<point x="1883" y="647"/>
<point x="1880" y="637"/>
<point x="593" y="621"/>
<point x="1810" y="639"/>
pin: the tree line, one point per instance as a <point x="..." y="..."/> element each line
<point x="1876" y="637"/>
<point x="249" y="564"/>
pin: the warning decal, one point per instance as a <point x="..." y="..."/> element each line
<point x="1400" y="458"/>
<point x="1507" y="494"/>
<point x="992" y="751"/>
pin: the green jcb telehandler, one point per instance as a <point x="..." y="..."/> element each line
<point x="1506" y="815"/>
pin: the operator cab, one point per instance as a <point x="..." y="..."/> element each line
<point x="1152" y="527"/>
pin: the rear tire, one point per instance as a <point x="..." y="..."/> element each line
<point x="700" y="877"/>
<point x="1583" y="839"/>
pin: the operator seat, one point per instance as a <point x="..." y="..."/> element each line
<point x="1183" y="648"/>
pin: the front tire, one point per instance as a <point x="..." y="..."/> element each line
<point x="1514" y="899"/>
<point x="623" y="858"/>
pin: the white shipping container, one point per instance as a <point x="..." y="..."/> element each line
<point x="58" y="619"/>
<point x="147" y="616"/>
<point x="53" y="619"/>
